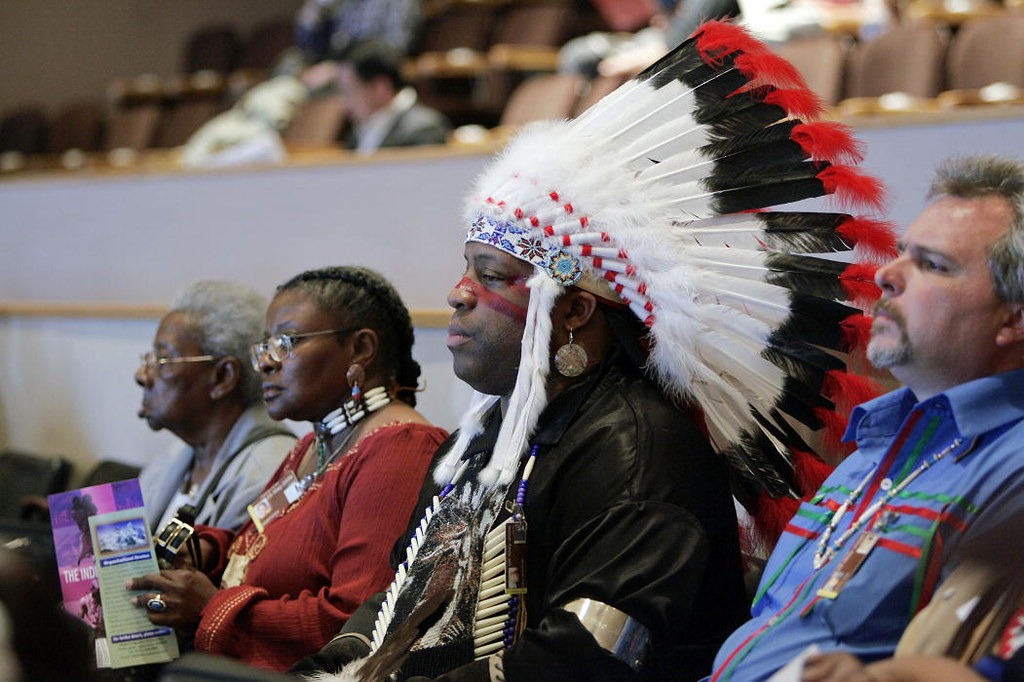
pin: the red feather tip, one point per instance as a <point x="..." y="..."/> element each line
<point x="770" y="68"/>
<point x="796" y="102"/>
<point x="858" y="282"/>
<point x="770" y="516"/>
<point x="809" y="471"/>
<point x="828" y="141"/>
<point x="716" y="39"/>
<point x="856" y="330"/>
<point x="832" y="433"/>
<point x="851" y="187"/>
<point x="848" y="390"/>
<point x="875" y="239"/>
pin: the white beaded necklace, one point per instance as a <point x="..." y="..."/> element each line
<point x="345" y="417"/>
<point x="824" y="553"/>
<point x="353" y="411"/>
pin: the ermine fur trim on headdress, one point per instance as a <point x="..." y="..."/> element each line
<point x="657" y="193"/>
<point x="527" y="401"/>
<point x="470" y="426"/>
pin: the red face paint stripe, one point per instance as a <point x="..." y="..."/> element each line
<point x="496" y="302"/>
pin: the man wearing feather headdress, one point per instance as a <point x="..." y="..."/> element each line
<point x="939" y="464"/>
<point x="641" y="344"/>
<point x="645" y="342"/>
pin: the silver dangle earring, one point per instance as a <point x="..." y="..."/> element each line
<point x="571" y="359"/>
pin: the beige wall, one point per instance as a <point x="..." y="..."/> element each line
<point x="54" y="51"/>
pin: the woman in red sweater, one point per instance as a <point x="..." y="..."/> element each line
<point x="337" y="354"/>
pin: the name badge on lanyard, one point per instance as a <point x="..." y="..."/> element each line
<point x="275" y="500"/>
<point x="849" y="565"/>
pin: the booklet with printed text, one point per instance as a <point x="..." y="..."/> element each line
<point x="101" y="539"/>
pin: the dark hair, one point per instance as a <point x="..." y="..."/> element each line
<point x="364" y="297"/>
<point x="373" y="58"/>
<point x="630" y="335"/>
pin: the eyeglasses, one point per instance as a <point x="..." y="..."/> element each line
<point x="149" y="361"/>
<point x="281" y="346"/>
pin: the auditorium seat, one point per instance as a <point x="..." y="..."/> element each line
<point x="986" y="62"/>
<point x="133" y="126"/>
<point x="542" y="97"/>
<point x="473" y="54"/>
<point x="266" y="42"/>
<point x="821" y="60"/>
<point x="182" y="119"/>
<point x="211" y="48"/>
<point x="24" y="130"/>
<point x="317" y="123"/>
<point x="527" y="36"/>
<point x="900" y="70"/>
<point x="454" y="39"/>
<point x="78" y="125"/>
<point x="24" y="474"/>
<point x="950" y="13"/>
<point x="526" y="39"/>
<point x="987" y="51"/>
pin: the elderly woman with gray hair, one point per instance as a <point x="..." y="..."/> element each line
<point x="197" y="382"/>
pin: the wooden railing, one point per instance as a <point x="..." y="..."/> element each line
<point x="427" y="319"/>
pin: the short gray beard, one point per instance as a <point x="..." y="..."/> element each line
<point x="884" y="357"/>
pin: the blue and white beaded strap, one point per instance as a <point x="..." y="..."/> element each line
<point x="387" y="609"/>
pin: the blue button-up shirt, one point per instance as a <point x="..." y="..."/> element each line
<point x="968" y="494"/>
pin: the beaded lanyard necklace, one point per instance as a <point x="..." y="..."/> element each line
<point x="348" y="415"/>
<point x="495" y="627"/>
<point x="825" y="552"/>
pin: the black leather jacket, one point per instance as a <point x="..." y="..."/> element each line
<point x="628" y="505"/>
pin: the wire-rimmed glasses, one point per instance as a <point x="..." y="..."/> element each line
<point x="281" y="346"/>
<point x="150" y="361"/>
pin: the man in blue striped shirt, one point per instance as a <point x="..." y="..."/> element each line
<point x="939" y="463"/>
